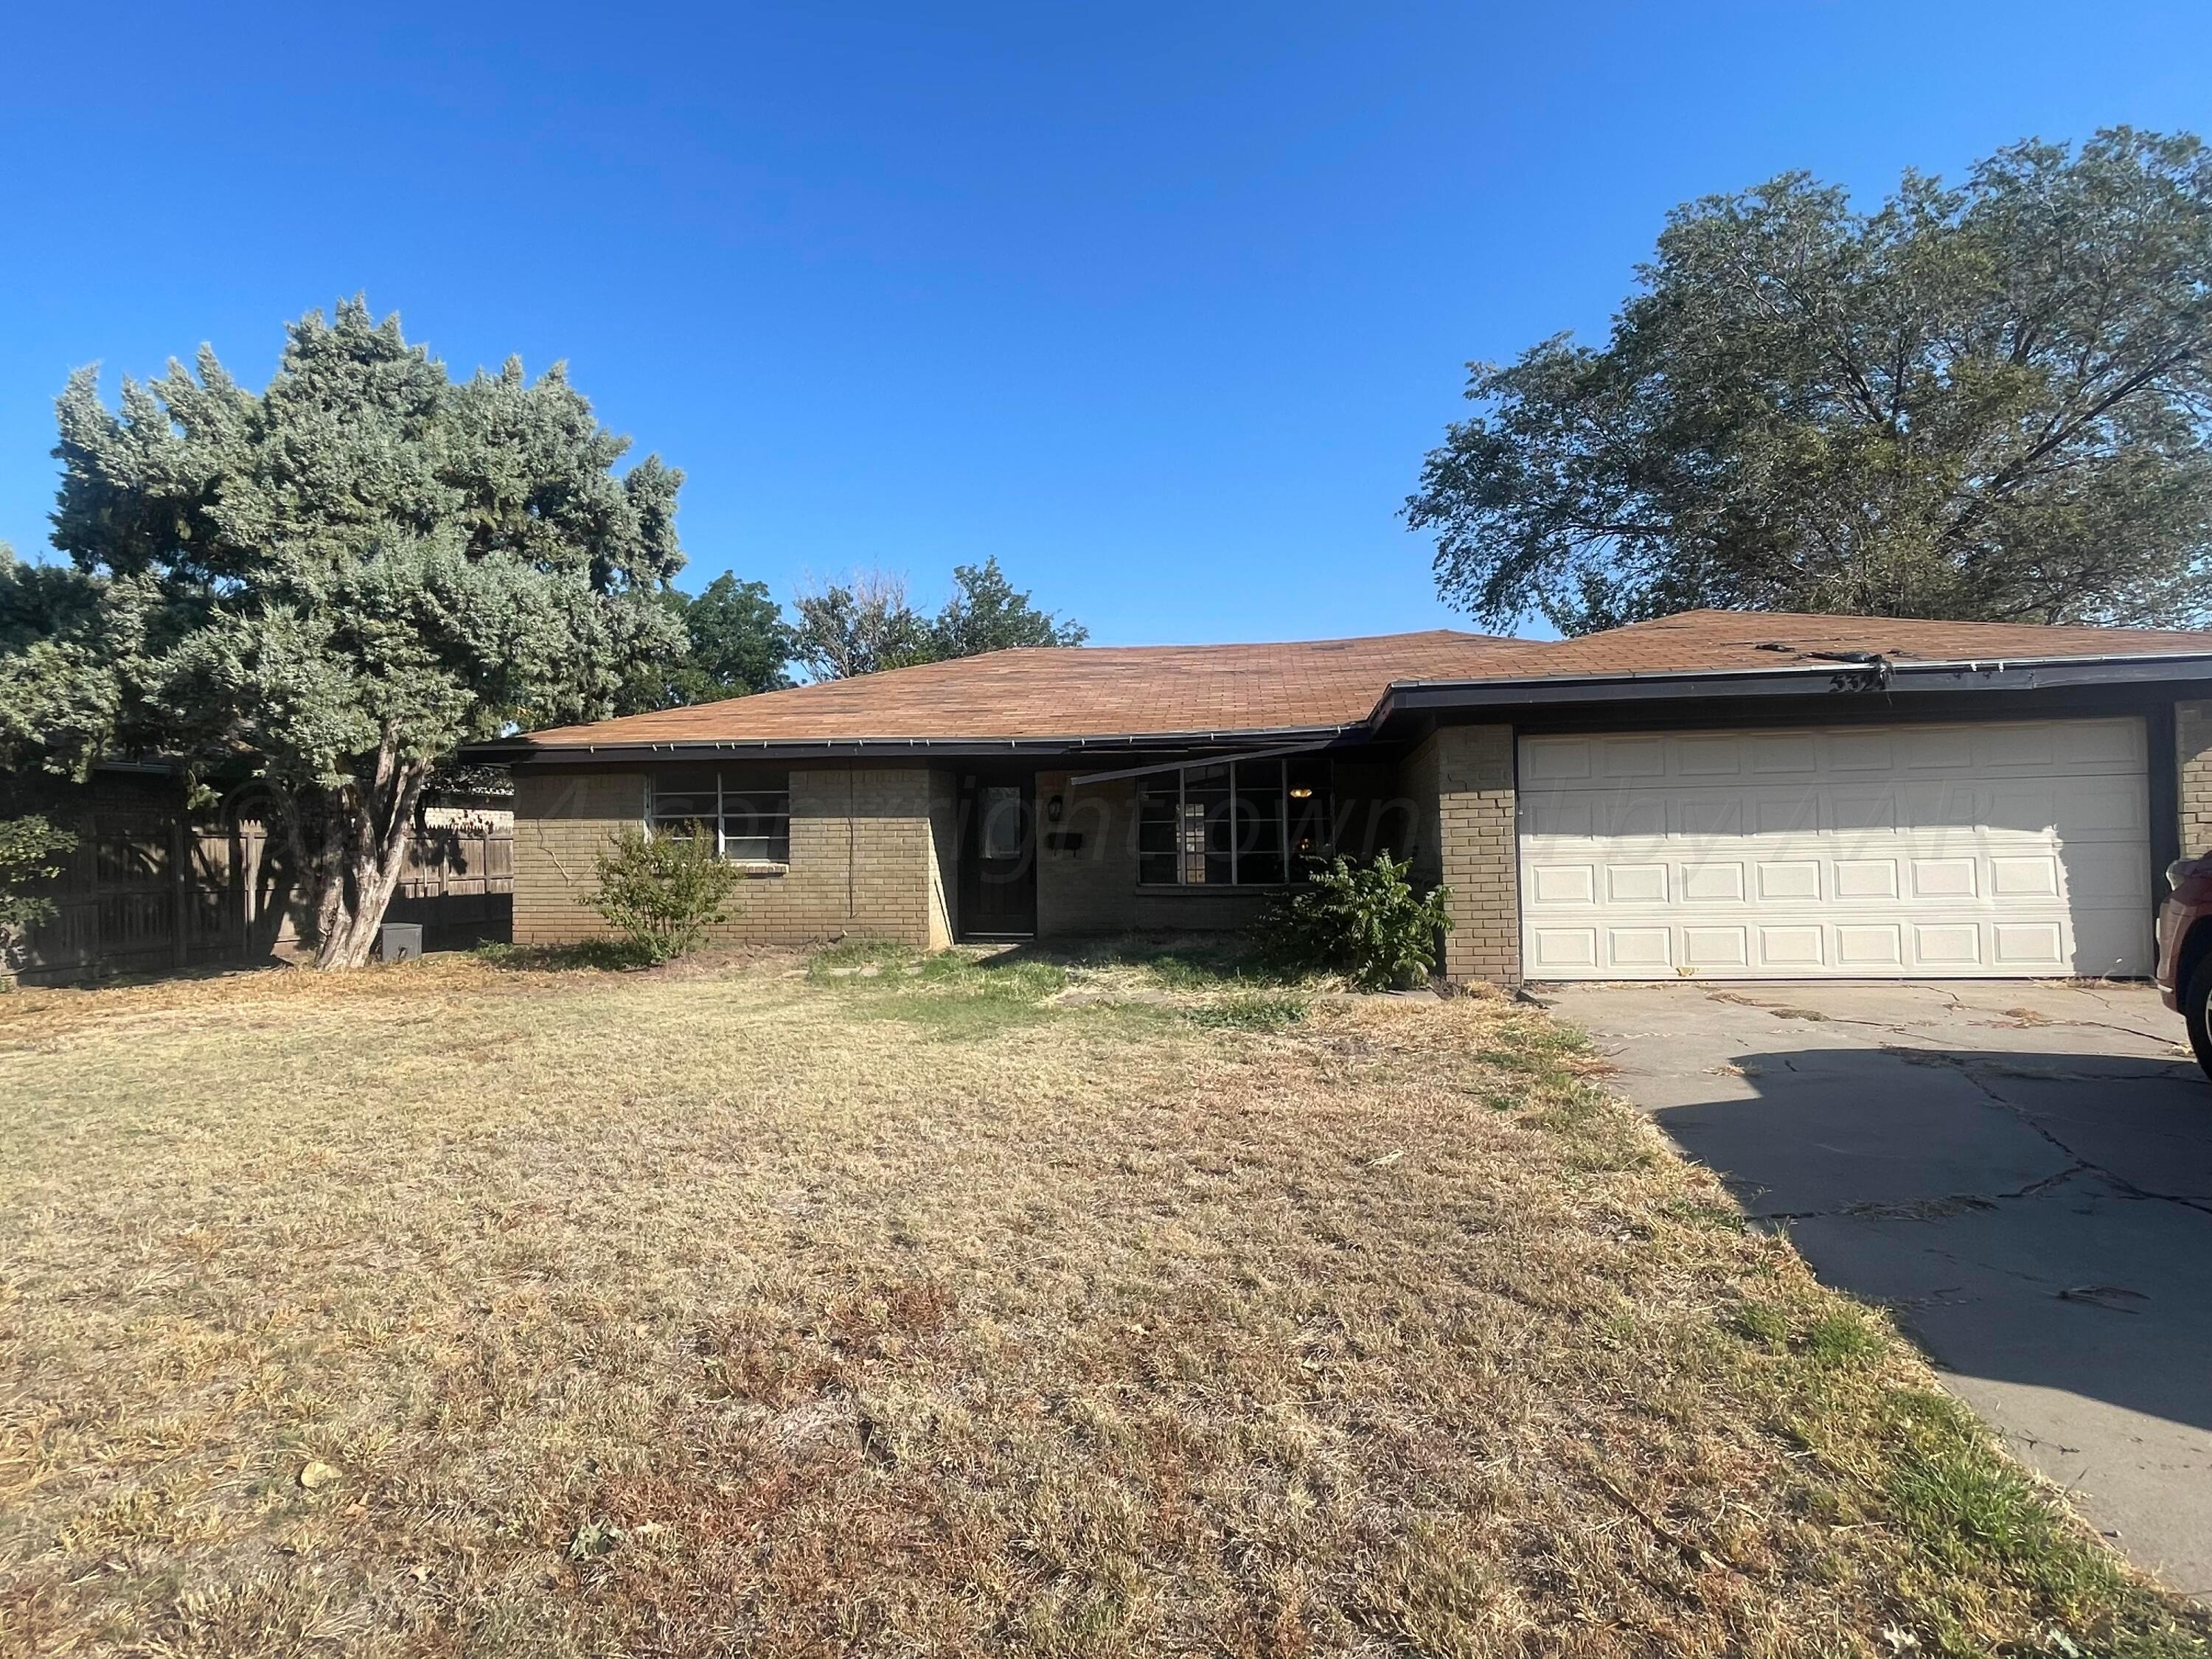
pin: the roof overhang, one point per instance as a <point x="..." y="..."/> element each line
<point x="1877" y="676"/>
<point x="522" y="750"/>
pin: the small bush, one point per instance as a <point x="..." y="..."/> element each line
<point x="1363" y="921"/>
<point x="663" y="892"/>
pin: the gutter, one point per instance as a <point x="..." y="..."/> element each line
<point x="511" y="750"/>
<point x="1844" y="675"/>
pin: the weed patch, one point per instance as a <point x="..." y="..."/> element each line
<point x="1250" y="1011"/>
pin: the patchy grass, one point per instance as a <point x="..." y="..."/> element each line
<point x="1252" y="1011"/>
<point x="974" y="1304"/>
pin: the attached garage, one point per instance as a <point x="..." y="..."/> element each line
<point x="2013" y="849"/>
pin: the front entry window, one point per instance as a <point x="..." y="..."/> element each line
<point x="1242" y="823"/>
<point x="1002" y="821"/>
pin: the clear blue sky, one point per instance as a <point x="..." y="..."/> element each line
<point x="1161" y="304"/>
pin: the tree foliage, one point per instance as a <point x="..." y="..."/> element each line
<point x="871" y="625"/>
<point x="662" y="892"/>
<point x="333" y="582"/>
<point x="860" y="628"/>
<point x="734" y="642"/>
<point x="28" y="848"/>
<point x="988" y="613"/>
<point x="1981" y="402"/>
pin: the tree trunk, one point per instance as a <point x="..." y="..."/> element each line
<point x="366" y="844"/>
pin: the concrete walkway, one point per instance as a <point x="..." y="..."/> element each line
<point x="2022" y="1172"/>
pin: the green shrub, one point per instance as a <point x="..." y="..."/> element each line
<point x="663" y="892"/>
<point x="27" y="846"/>
<point x="1363" y="921"/>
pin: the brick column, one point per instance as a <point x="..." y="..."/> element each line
<point x="1459" y="783"/>
<point x="2192" y="768"/>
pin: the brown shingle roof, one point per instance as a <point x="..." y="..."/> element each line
<point x="1093" y="691"/>
<point x="1078" y="692"/>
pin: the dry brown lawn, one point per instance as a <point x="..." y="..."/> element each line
<point x="472" y="1307"/>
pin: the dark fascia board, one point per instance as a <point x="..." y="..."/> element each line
<point x="521" y="752"/>
<point x="1434" y="697"/>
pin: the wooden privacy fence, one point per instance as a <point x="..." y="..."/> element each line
<point x="146" y="891"/>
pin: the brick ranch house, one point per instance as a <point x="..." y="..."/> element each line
<point x="1724" y="794"/>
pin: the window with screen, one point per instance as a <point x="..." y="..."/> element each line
<point x="1231" y="823"/>
<point x="747" y="813"/>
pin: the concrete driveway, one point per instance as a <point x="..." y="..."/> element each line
<point x="2022" y="1172"/>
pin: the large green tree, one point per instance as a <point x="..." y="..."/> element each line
<point x="734" y="641"/>
<point x="986" y="612"/>
<point x="871" y="625"/>
<point x="330" y="584"/>
<point x="1985" y="401"/>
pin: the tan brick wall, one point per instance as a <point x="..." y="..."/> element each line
<point x="1093" y="890"/>
<point x="867" y="860"/>
<point x="2192" y="762"/>
<point x="1460" y="783"/>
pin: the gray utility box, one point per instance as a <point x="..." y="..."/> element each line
<point x="399" y="941"/>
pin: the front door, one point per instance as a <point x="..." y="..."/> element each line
<point x="997" y="856"/>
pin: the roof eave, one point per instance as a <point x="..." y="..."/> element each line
<point x="524" y="751"/>
<point x="1805" y="679"/>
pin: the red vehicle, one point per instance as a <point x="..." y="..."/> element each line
<point x="2185" y="950"/>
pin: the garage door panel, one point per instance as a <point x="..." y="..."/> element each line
<point x="1868" y="947"/>
<point x="1559" y="952"/>
<point x="2110" y="745"/>
<point x="2026" y="944"/>
<point x="1787" y="881"/>
<point x="1946" y="751"/>
<point x="1851" y="811"/>
<point x="1716" y="950"/>
<point x="1866" y="878"/>
<point x="1792" y="948"/>
<point x="1796" y="814"/>
<point x="1791" y="753"/>
<point x="1635" y="884"/>
<point x="1707" y="812"/>
<point x="1712" y="883"/>
<point x="1943" y="878"/>
<point x="2100" y="807"/>
<point x="1554" y="760"/>
<point x="2018" y="848"/>
<point x="1633" y="759"/>
<point x="2024" y="876"/>
<point x="1947" y="946"/>
<point x="1563" y="883"/>
<point x="1635" y="949"/>
<point x="2104" y="942"/>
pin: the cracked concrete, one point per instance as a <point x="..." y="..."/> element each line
<point x="2021" y="1171"/>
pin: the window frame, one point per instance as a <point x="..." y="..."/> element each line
<point x="723" y="793"/>
<point x="1188" y="842"/>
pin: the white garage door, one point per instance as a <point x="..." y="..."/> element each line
<point x="2014" y="850"/>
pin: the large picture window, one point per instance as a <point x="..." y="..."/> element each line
<point x="748" y="814"/>
<point x="1232" y="823"/>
